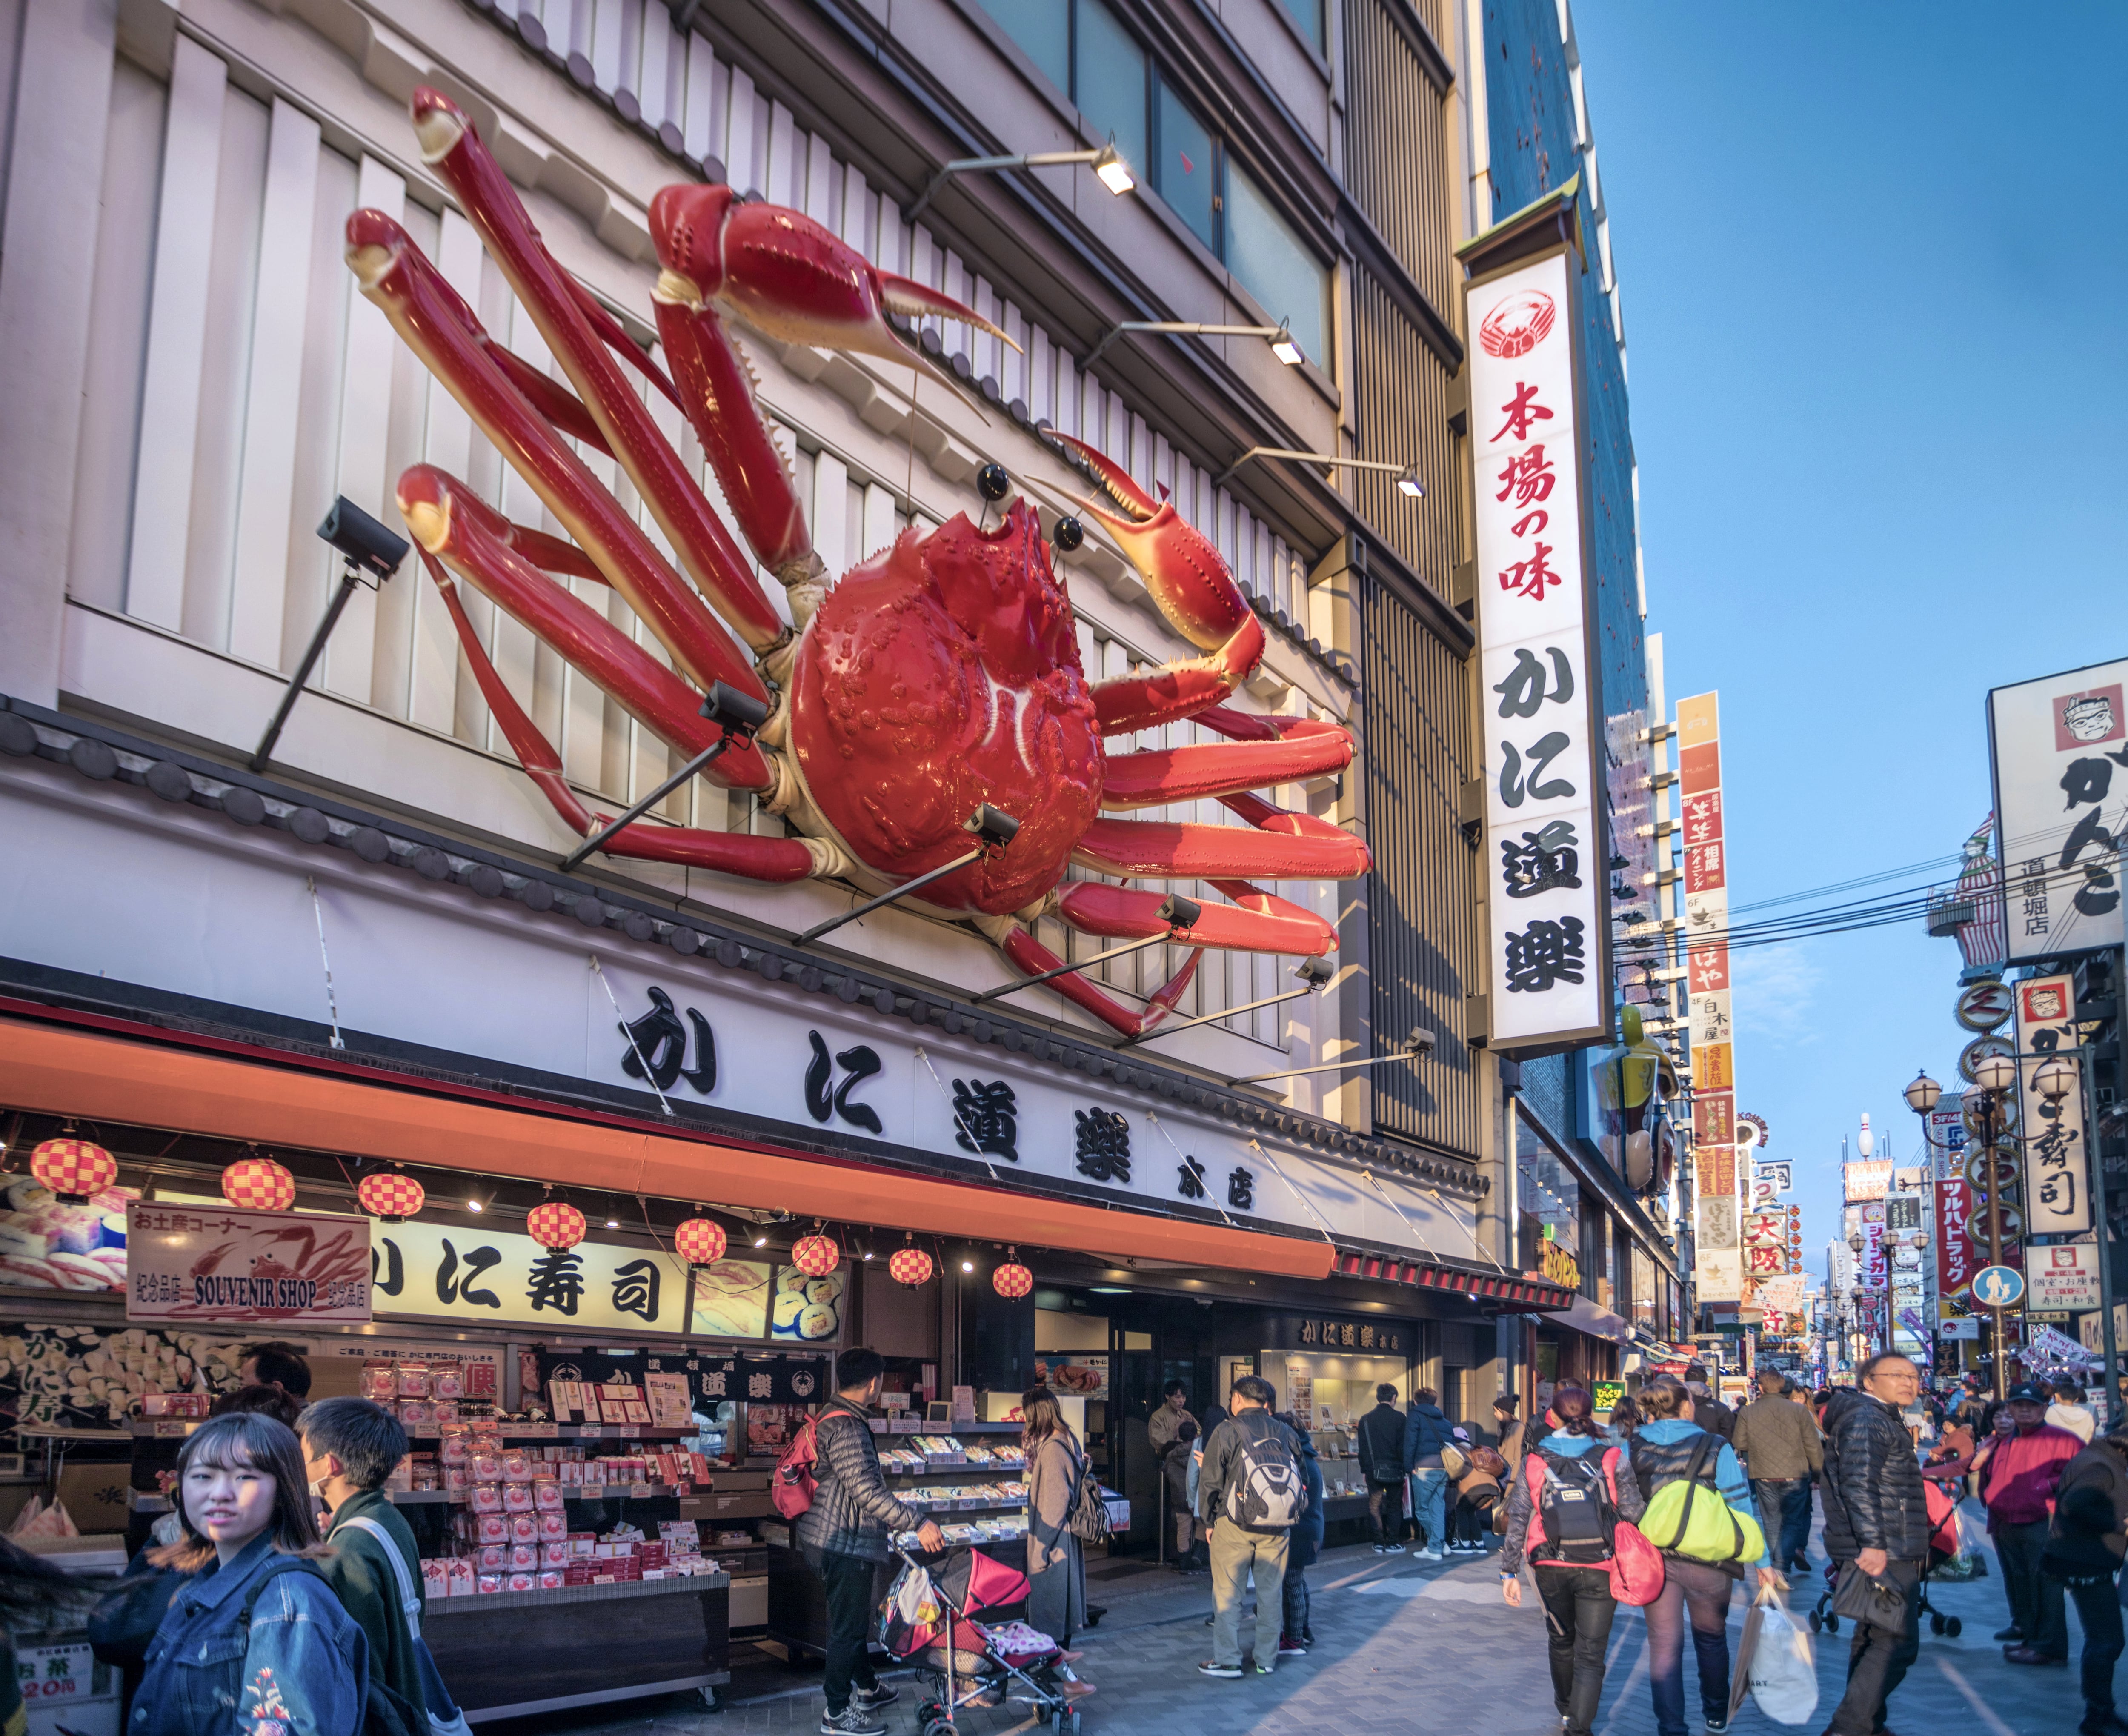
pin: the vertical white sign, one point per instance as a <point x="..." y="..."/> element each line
<point x="2061" y="803"/>
<point x="2057" y="1167"/>
<point x="1545" y="844"/>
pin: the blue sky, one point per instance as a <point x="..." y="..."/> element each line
<point x="1874" y="269"/>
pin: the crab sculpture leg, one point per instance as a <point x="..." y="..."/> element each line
<point x="791" y="280"/>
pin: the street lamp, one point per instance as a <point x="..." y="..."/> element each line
<point x="1996" y="1075"/>
<point x="1110" y="168"/>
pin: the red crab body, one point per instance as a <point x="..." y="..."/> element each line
<point x="939" y="676"/>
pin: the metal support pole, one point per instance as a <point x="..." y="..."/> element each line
<point x="902" y="891"/>
<point x="2108" y="1339"/>
<point x="597" y="840"/>
<point x="1173" y="936"/>
<point x="1372" y="1061"/>
<point x="349" y="579"/>
<point x="1989" y="1114"/>
<point x="1292" y="994"/>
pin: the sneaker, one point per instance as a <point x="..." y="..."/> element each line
<point x="1716" y="1723"/>
<point x="852" y="1721"/>
<point x="1432" y="1554"/>
<point x="1392" y="1549"/>
<point x="1289" y="1647"/>
<point x="1223" y="1671"/>
<point x="872" y="1698"/>
<point x="1381" y="1548"/>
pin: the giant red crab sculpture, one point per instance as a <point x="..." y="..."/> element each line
<point x="936" y="676"/>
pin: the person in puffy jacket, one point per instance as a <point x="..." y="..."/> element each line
<point x="2083" y="1553"/>
<point x="1694" y="1593"/>
<point x="1426" y="1433"/>
<point x="1876" y="1522"/>
<point x="1578" y="1601"/>
<point x="1296" y="1636"/>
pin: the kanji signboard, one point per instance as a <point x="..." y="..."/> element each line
<point x="2057" y="1198"/>
<point x="1546" y="842"/>
<point x="1728" y="1263"/>
<point x="2060" y="747"/>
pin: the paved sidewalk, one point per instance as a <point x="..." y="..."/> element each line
<point x="1404" y="1645"/>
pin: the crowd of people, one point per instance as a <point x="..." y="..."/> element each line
<point x="285" y="1590"/>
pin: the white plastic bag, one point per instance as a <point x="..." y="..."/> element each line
<point x="1784" y="1667"/>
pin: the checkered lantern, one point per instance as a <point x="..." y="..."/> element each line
<point x="1012" y="1280"/>
<point x="816" y="1255"/>
<point x="258" y="1184"/>
<point x="700" y="1242"/>
<point x="555" y="1224"/>
<point x="391" y="1194"/>
<point x="910" y="1267"/>
<point x="73" y="1168"/>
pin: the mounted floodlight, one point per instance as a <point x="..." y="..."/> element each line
<point x="1112" y="171"/>
<point x="365" y="547"/>
<point x="1107" y="162"/>
<point x="1284" y="348"/>
<point x="1314" y="975"/>
<point x="994" y="828"/>
<point x="1409" y="483"/>
<point x="1179" y="913"/>
<point x="737" y="714"/>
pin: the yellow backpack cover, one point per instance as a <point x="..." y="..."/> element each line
<point x="1690" y="1518"/>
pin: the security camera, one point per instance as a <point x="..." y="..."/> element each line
<point x="994" y="826"/>
<point x="740" y="713"/>
<point x="361" y="540"/>
<point x="1314" y="973"/>
<point x="1420" y="1042"/>
<point x="1178" y="912"/>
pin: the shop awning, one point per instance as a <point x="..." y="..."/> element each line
<point x="1597" y="1322"/>
<point x="357" y="1111"/>
<point x="1510" y="1293"/>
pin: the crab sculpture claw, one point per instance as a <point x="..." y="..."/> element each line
<point x="1190" y="583"/>
<point x="789" y="278"/>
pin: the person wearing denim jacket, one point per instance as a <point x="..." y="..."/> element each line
<point x="294" y="1663"/>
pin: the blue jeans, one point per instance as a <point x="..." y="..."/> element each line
<point x="1694" y="1591"/>
<point x="1783" y="1505"/>
<point x="1428" y="1488"/>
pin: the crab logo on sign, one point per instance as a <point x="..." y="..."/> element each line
<point x="1518" y="324"/>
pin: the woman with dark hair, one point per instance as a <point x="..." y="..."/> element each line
<point x="1625" y="1420"/>
<point x="265" y="1401"/>
<point x="1056" y="1570"/>
<point x="255" y="1637"/>
<point x="1576" y="1593"/>
<point x="1697" y="1591"/>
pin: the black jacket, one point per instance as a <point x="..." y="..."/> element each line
<point x="1714" y="1416"/>
<point x="853" y="1509"/>
<point x="1380" y="1445"/>
<point x="1874" y="1495"/>
<point x="2090" y="1507"/>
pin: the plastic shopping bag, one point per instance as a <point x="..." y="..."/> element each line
<point x="1783" y="1669"/>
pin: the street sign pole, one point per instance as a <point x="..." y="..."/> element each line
<point x="2102" y="1232"/>
<point x="1991" y="1108"/>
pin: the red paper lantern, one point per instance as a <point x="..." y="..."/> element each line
<point x="910" y="1267"/>
<point x="73" y="1168"/>
<point x="1012" y="1280"/>
<point x="816" y="1255"/>
<point x="392" y="1195"/>
<point x="258" y="1184"/>
<point x="700" y="1242"/>
<point x="555" y="1224"/>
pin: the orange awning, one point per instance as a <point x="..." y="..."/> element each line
<point x="58" y="1070"/>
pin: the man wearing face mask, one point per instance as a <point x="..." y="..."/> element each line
<point x="350" y="1446"/>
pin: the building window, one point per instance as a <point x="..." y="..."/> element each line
<point x="1043" y="29"/>
<point x="1274" y="265"/>
<point x="1308" y="14"/>
<point x="1085" y="50"/>
<point x="1110" y="79"/>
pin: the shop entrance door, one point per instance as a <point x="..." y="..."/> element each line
<point x="1136" y="1390"/>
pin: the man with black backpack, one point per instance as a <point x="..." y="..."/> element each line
<point x="843" y="1534"/>
<point x="1249" y="1496"/>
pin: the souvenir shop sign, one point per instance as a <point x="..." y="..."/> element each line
<point x="441" y="1272"/>
<point x="218" y="1265"/>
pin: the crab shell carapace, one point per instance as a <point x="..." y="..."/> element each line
<point x="941" y="674"/>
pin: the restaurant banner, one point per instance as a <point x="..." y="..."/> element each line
<point x="442" y="1272"/>
<point x="1547" y="902"/>
<point x="213" y="1264"/>
<point x="1724" y="1268"/>
<point x="2057" y="1198"/>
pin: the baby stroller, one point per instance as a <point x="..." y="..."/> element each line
<point x="929" y="1620"/>
<point x="1943" y="1546"/>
